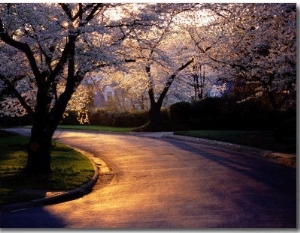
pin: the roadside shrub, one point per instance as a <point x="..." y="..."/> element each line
<point x="130" y="119"/>
<point x="118" y="119"/>
<point x="6" y="121"/>
<point x="102" y="117"/>
<point x="226" y="113"/>
<point x="180" y="114"/>
<point x="70" y="118"/>
<point x="253" y="107"/>
<point x="288" y="127"/>
<point x="212" y="113"/>
<point x="163" y="124"/>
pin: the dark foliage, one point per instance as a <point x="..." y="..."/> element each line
<point x="6" y="121"/>
<point x="228" y="114"/>
<point x="109" y="118"/>
<point x="163" y="124"/>
<point x="180" y="115"/>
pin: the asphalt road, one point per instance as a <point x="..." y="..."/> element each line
<point x="164" y="183"/>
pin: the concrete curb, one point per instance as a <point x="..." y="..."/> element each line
<point x="65" y="196"/>
<point x="281" y="158"/>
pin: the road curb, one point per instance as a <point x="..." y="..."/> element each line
<point x="66" y="196"/>
<point x="281" y="158"/>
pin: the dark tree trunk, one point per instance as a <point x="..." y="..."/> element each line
<point x="45" y="123"/>
<point x="156" y="122"/>
<point x="46" y="120"/>
<point x="278" y="137"/>
<point x="39" y="155"/>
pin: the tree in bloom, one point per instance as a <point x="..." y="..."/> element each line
<point x="159" y="57"/>
<point x="46" y="51"/>
<point x="254" y="44"/>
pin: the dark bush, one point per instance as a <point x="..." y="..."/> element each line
<point x="118" y="119"/>
<point x="70" y="118"/>
<point x="102" y="117"/>
<point x="163" y="124"/>
<point x="180" y="114"/>
<point x="287" y="127"/>
<point x="252" y="107"/>
<point x="210" y="107"/>
<point x="130" y="119"/>
<point x="226" y="113"/>
<point x="213" y="113"/>
<point x="6" y="121"/>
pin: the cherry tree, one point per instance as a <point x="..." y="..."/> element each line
<point x="160" y="58"/>
<point x="254" y="44"/>
<point x="46" y="51"/>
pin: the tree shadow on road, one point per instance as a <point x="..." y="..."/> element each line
<point x="30" y="218"/>
<point x="277" y="176"/>
<point x="252" y="182"/>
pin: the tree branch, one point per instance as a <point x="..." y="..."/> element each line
<point x="67" y="10"/>
<point x="93" y="12"/>
<point x="17" y="94"/>
<point x="23" y="48"/>
<point x="171" y="79"/>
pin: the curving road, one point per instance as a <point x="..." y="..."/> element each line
<point x="164" y="183"/>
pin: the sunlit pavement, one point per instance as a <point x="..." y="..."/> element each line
<point x="164" y="183"/>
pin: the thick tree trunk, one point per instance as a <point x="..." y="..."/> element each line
<point x="39" y="151"/>
<point x="155" y="118"/>
<point x="156" y="122"/>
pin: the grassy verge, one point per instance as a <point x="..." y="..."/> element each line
<point x="70" y="170"/>
<point x="259" y="139"/>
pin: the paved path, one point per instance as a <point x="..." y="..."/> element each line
<point x="164" y="183"/>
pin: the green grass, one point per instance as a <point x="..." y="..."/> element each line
<point x="70" y="170"/>
<point x="96" y="128"/>
<point x="260" y="139"/>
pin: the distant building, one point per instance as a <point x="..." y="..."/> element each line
<point x="100" y="98"/>
<point x="217" y="89"/>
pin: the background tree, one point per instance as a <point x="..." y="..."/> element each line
<point x="253" y="47"/>
<point x="159" y="57"/>
<point x="254" y="44"/>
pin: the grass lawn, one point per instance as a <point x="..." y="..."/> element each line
<point x="70" y="170"/>
<point x="259" y="139"/>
